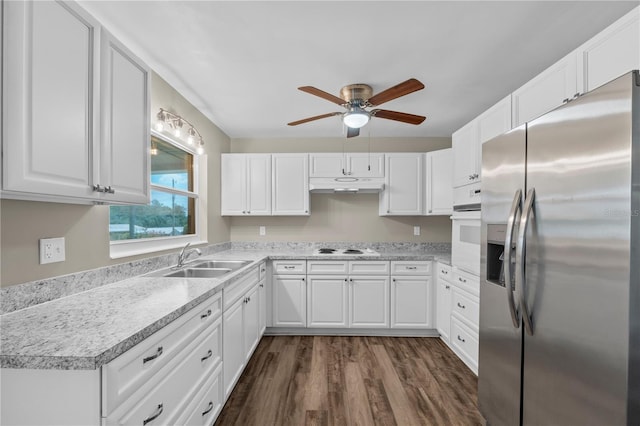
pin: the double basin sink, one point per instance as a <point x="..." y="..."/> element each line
<point x="203" y="269"/>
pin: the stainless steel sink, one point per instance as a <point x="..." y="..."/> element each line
<point x="198" y="273"/>
<point x="228" y="264"/>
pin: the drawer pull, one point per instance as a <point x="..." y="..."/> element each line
<point x="154" y="415"/>
<point x="411" y="267"/>
<point x="152" y="357"/>
<point x="209" y="408"/>
<point x="461" y="339"/>
<point x="289" y="267"/>
<point x="444" y="272"/>
<point x="462" y="280"/>
<point x="447" y="287"/>
<point x="203" y="316"/>
<point x="461" y="306"/>
<point x="209" y="355"/>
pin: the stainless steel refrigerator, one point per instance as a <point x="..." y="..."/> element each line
<point x="560" y="265"/>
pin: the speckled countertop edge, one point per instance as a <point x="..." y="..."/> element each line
<point x="29" y="339"/>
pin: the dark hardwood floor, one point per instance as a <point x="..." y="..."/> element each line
<point x="338" y="380"/>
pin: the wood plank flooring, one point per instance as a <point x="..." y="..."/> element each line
<point x="340" y="380"/>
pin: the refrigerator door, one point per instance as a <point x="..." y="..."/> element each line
<point x="578" y="261"/>
<point x="499" y="364"/>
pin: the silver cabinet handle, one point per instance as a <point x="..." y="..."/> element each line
<point x="261" y="285"/>
<point x="411" y="268"/>
<point x="289" y="267"/>
<point x="206" y="357"/>
<point x="154" y="356"/>
<point x="209" y="408"/>
<point x="244" y="212"/>
<point x="203" y="316"/>
<point x="461" y="339"/>
<point x="248" y="211"/>
<point x="520" y="250"/>
<point x="447" y="287"/>
<point x="110" y="190"/>
<point x="462" y="280"/>
<point x="97" y="188"/>
<point x="565" y="100"/>
<point x="154" y="415"/>
<point x="516" y="206"/>
<point x="461" y="306"/>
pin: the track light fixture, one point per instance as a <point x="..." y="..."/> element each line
<point x="173" y="122"/>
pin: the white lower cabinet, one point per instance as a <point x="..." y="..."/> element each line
<point x="289" y="292"/>
<point x="327" y="301"/>
<point x="207" y="404"/>
<point x="233" y="345"/>
<point x="369" y="302"/>
<point x="443" y="301"/>
<point x="411" y="294"/>
<point x="465" y="317"/>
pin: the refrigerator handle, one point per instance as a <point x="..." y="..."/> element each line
<point x="520" y="254"/>
<point x="516" y="207"/>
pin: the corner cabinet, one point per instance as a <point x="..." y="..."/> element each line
<point x="403" y="192"/>
<point x="75" y="109"/>
<point x="246" y="184"/>
<point x="290" y="185"/>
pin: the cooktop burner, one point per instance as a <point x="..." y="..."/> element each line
<point x="346" y="252"/>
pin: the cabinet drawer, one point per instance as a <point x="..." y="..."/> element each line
<point x="127" y="373"/>
<point x="467" y="306"/>
<point x="236" y="290"/>
<point x="465" y="342"/>
<point x="410" y="267"/>
<point x="369" y="267"/>
<point x="444" y="271"/>
<point x="173" y="387"/>
<point x="207" y="404"/>
<point x="281" y="267"/>
<point x="324" y="267"/>
<point x="466" y="281"/>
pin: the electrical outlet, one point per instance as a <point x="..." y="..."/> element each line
<point x="416" y="230"/>
<point x="263" y="231"/>
<point x="52" y="250"/>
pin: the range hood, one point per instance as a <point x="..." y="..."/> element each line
<point x="351" y="185"/>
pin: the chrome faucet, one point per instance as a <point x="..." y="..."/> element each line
<point x="184" y="254"/>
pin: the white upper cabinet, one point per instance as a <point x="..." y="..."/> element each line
<point x="439" y="182"/>
<point x="62" y="141"/>
<point x="246" y="184"/>
<point x="611" y="53"/>
<point x="550" y="89"/>
<point x="290" y="192"/>
<point x="466" y="151"/>
<point x="495" y="121"/>
<point x="403" y="193"/>
<point x="125" y="122"/>
<point x="354" y="164"/>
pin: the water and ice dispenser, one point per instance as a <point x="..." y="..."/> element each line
<point x="496" y="254"/>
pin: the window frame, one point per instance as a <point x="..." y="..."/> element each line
<point x="125" y="248"/>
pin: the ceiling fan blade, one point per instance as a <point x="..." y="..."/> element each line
<point x="398" y="116"/>
<point x="352" y="132"/>
<point x="316" y="117"/>
<point x="409" y="86"/>
<point x="324" y="95"/>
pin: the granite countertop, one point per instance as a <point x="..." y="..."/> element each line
<point x="87" y="330"/>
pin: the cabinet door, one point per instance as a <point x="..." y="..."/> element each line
<point x="443" y="309"/>
<point x="262" y="297"/>
<point x="369" y="302"/>
<point x="548" y="90"/>
<point x="251" y="320"/>
<point x="494" y="121"/>
<point x="403" y="193"/>
<point x="466" y="147"/>
<point x="258" y="184"/>
<point x="124" y="154"/>
<point x="327" y="164"/>
<point x="327" y="301"/>
<point x="290" y="193"/>
<point x="410" y="302"/>
<point x="364" y="164"/>
<point x="289" y="301"/>
<point x="233" y="178"/>
<point x="233" y="349"/>
<point x="439" y="182"/>
<point x="50" y="99"/>
<point x="611" y="53"/>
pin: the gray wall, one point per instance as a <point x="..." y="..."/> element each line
<point x="342" y="217"/>
<point x="86" y="228"/>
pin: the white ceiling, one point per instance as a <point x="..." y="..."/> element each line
<point x="240" y="62"/>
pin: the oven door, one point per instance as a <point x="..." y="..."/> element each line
<point x="465" y="241"/>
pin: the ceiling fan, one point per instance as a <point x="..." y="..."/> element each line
<point x="357" y="97"/>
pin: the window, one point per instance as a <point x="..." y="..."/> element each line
<point x="171" y="219"/>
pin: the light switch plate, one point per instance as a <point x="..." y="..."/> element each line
<point x="416" y="230"/>
<point x="52" y="250"/>
<point x="263" y="230"/>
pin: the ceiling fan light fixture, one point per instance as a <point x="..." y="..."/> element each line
<point x="355" y="118"/>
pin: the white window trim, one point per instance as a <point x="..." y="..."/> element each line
<point x="126" y="248"/>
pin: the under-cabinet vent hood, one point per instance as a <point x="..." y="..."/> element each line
<point x="346" y="185"/>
